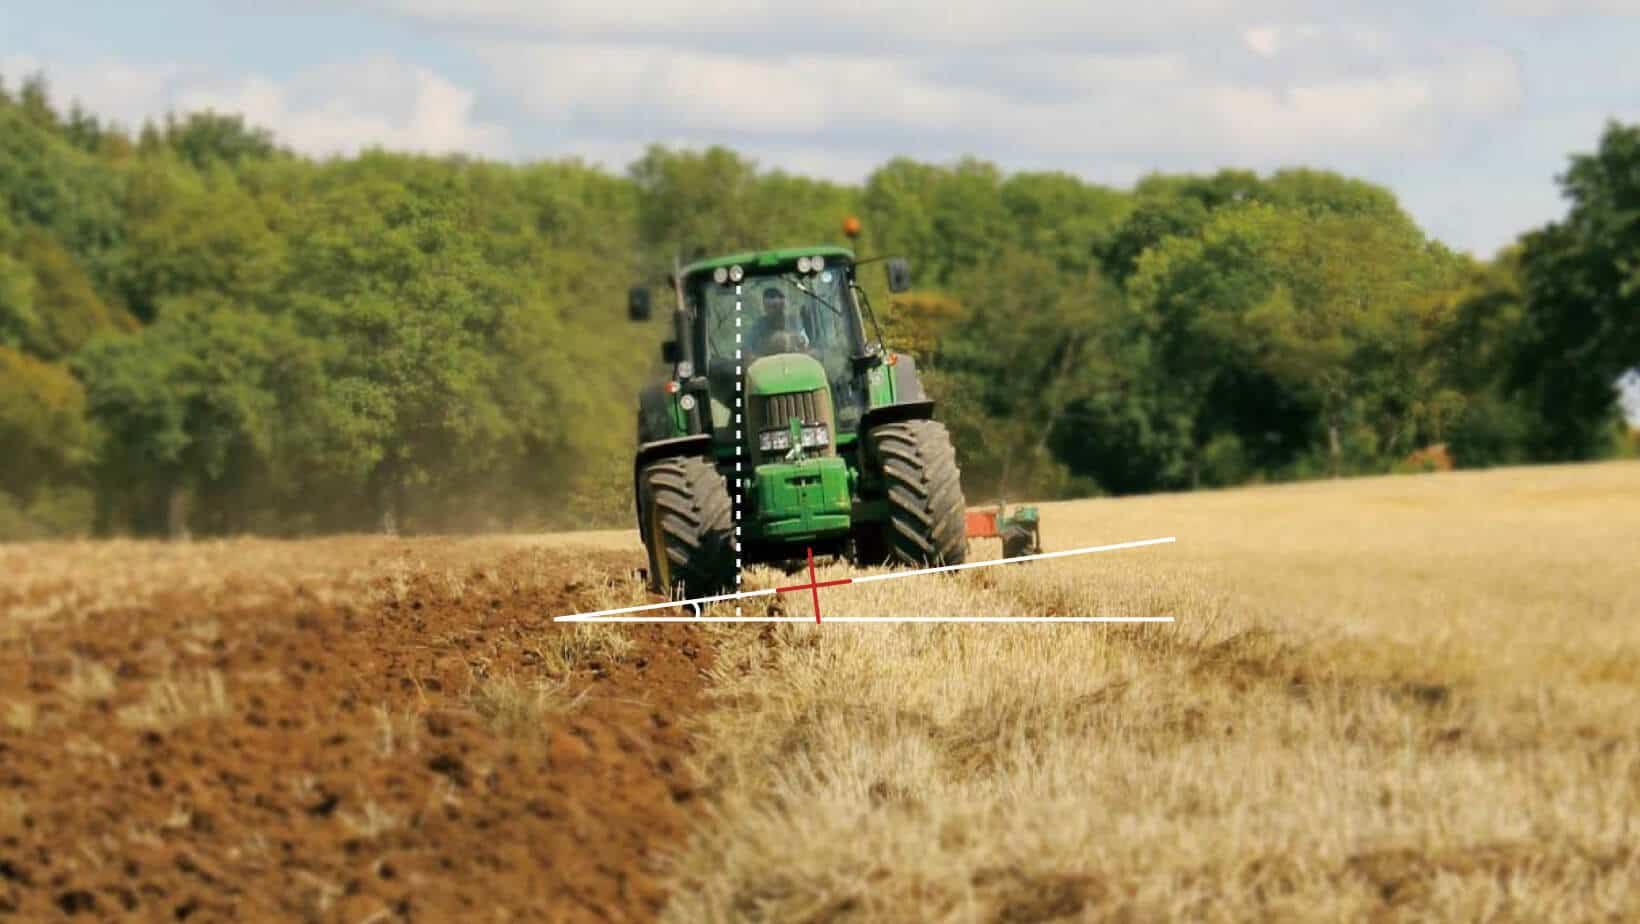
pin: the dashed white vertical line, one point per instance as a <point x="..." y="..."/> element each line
<point x="739" y="445"/>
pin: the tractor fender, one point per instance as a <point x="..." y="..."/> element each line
<point x="896" y="412"/>
<point x="886" y="414"/>
<point x="907" y="385"/>
<point x="654" y="414"/>
<point x="699" y="444"/>
<point x="910" y="401"/>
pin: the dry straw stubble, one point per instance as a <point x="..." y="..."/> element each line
<point x="1393" y="698"/>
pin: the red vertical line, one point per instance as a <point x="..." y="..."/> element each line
<point x="814" y="586"/>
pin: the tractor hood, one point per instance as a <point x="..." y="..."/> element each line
<point x="785" y="373"/>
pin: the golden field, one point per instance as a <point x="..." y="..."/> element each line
<point x="1405" y="698"/>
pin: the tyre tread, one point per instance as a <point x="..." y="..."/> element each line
<point x="924" y="490"/>
<point x="690" y="496"/>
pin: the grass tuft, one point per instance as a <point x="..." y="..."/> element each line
<point x="582" y="645"/>
<point x="371" y="821"/>
<point x="173" y="701"/>
<point x="514" y="707"/>
<point x="22" y="717"/>
<point x="88" y="682"/>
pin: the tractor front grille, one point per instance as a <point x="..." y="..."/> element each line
<point x="769" y="411"/>
<point x="804" y="405"/>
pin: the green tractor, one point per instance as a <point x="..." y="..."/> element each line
<point x="782" y="428"/>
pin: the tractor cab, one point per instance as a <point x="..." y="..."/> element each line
<point x="799" y="305"/>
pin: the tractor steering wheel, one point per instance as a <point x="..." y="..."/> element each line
<point x="787" y="341"/>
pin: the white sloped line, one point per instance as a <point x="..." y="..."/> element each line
<point x="616" y="615"/>
<point x="858" y="619"/>
<point x="894" y="575"/>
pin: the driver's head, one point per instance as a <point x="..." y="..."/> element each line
<point x="774" y="302"/>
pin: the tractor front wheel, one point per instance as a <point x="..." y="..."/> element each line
<point x="926" y="508"/>
<point x="688" y="528"/>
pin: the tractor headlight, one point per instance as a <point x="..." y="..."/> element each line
<point x="777" y="440"/>
<point x="817" y="263"/>
<point x="736" y="273"/>
<point x="815" y="435"/>
<point x="687" y="402"/>
<point x="720" y="275"/>
<point x="803" y="264"/>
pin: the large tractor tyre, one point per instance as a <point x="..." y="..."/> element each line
<point x="926" y="509"/>
<point x="871" y="545"/>
<point x="688" y="528"/>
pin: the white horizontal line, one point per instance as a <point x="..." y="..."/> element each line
<point x="888" y="576"/>
<point x="671" y="604"/>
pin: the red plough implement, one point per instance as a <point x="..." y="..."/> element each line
<point x="1019" y="531"/>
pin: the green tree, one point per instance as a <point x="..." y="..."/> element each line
<point x="1581" y="277"/>
<point x="204" y="138"/>
<point x="1027" y="349"/>
<point x="1061" y="217"/>
<point x="48" y="184"/>
<point x="408" y="305"/>
<point x="1154" y="219"/>
<point x="211" y="406"/>
<point x="193" y="231"/>
<point x="49" y="448"/>
<point x="898" y="201"/>
<point x="1325" y="305"/>
<point x="696" y="203"/>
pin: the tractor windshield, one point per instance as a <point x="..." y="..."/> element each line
<point x="784" y="313"/>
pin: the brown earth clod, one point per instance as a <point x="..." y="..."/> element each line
<point x="341" y="769"/>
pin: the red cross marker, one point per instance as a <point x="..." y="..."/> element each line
<point x="814" y="585"/>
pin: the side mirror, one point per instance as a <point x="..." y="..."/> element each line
<point x="670" y="353"/>
<point x="637" y="303"/>
<point x="899" y="275"/>
<point x="866" y="362"/>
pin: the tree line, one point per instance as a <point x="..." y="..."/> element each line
<point x="201" y="330"/>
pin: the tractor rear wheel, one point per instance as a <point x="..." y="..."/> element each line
<point x="926" y="509"/>
<point x="688" y="528"/>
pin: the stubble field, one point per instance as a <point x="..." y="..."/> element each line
<point x="1393" y="699"/>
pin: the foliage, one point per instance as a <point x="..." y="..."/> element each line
<point x="201" y="331"/>
<point x="42" y="424"/>
<point x="1581" y="277"/>
<point x="49" y="447"/>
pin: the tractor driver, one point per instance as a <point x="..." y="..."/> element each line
<point x="772" y="333"/>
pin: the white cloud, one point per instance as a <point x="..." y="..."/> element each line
<point x="1629" y="396"/>
<point x="720" y="91"/>
<point x="913" y="22"/>
<point x="1483" y="81"/>
<point x="373" y="100"/>
<point x="1071" y="105"/>
<point x="1432" y="103"/>
<point x="1370" y="112"/>
<point x="113" y="90"/>
<point x="370" y="101"/>
<point x="1271" y="39"/>
<point x="1090" y="72"/>
<point x="1568" y="7"/>
<point x="1264" y="41"/>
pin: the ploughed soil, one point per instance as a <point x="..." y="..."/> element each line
<point x="358" y="729"/>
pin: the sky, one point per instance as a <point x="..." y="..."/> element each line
<point x="1467" y="111"/>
